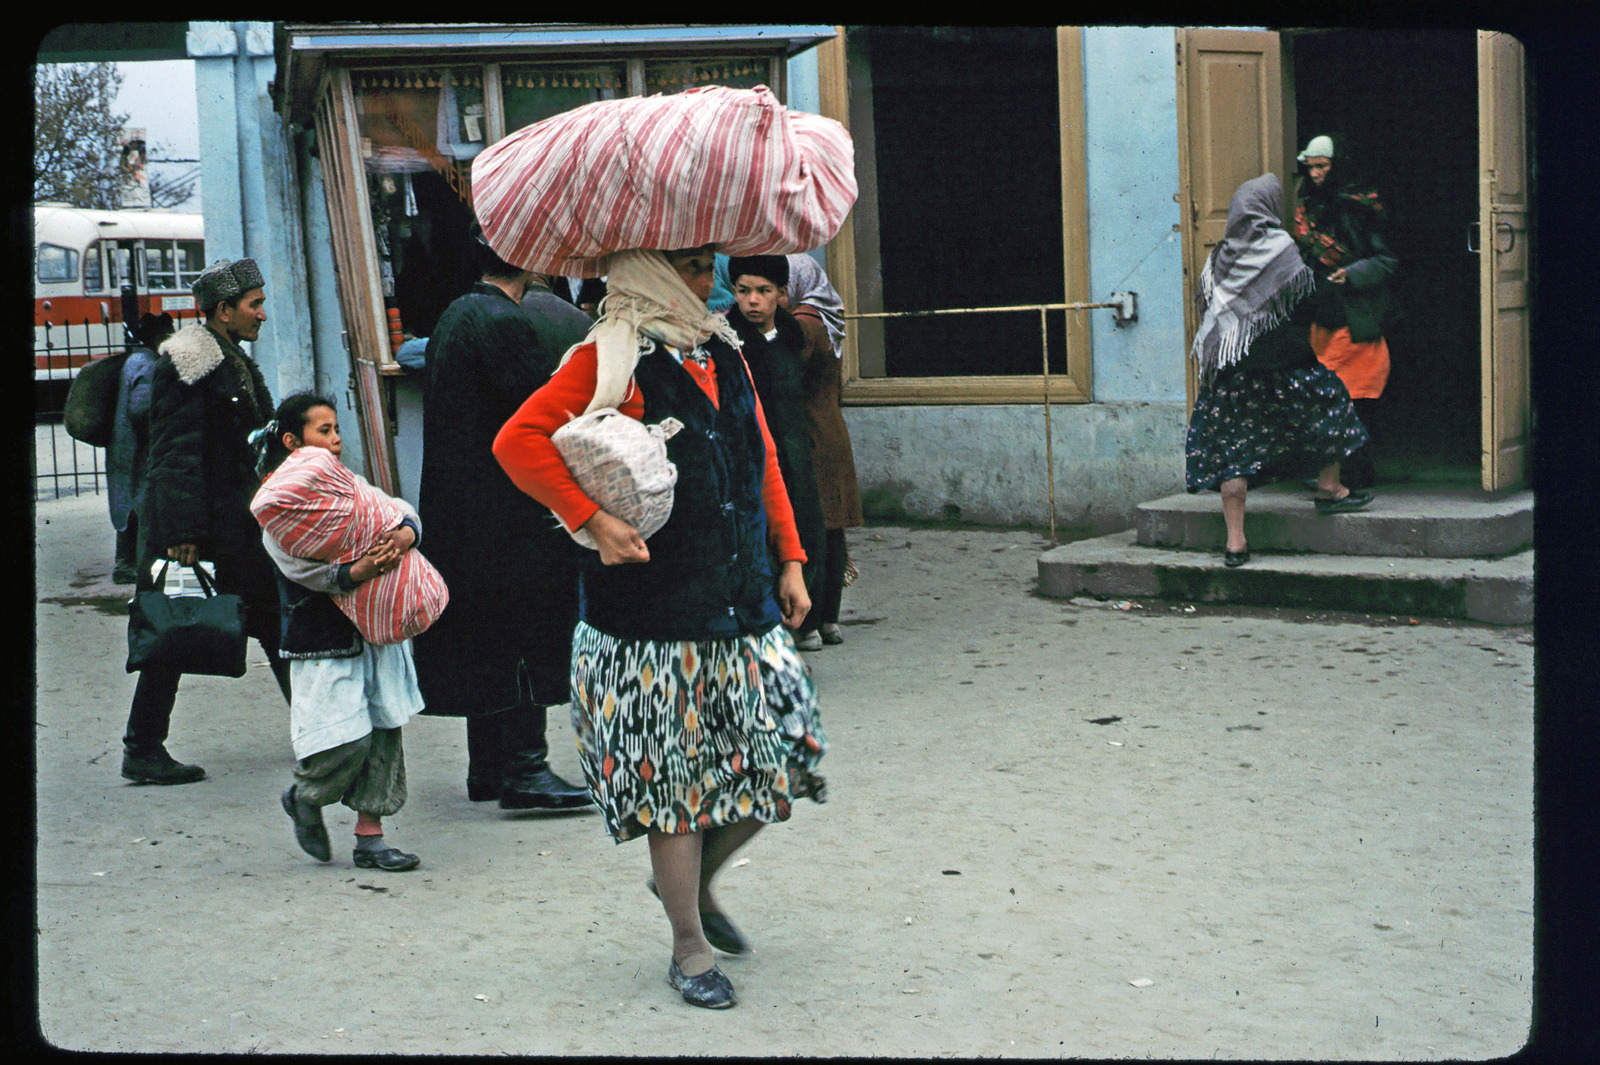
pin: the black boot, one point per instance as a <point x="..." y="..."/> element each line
<point x="529" y="783"/>
<point x="156" y="766"/>
<point x="485" y="757"/>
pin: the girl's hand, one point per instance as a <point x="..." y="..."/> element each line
<point x="1338" y="277"/>
<point x="793" y="599"/>
<point x="619" y="542"/>
<point x="400" y="540"/>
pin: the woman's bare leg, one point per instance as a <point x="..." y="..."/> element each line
<point x="1328" y="482"/>
<point x="675" y="861"/>
<point x="1234" y="491"/>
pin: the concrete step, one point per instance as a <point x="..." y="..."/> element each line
<point x="1402" y="522"/>
<point x="1498" y="591"/>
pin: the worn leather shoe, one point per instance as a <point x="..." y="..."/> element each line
<point x="711" y="989"/>
<point x="1352" y="501"/>
<point x="809" y="641"/>
<point x="389" y="859"/>
<point x="1235" y="559"/>
<point x="831" y="634"/>
<point x="158" y="767"/>
<point x="309" y="831"/>
<point x="543" y="790"/>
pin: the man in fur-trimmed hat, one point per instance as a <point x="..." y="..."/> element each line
<point x="206" y="396"/>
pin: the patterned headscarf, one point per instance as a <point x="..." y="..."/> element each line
<point x="645" y="297"/>
<point x="1252" y="280"/>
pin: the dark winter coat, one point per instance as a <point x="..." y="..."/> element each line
<point x="512" y="571"/>
<point x="1337" y="227"/>
<point x="777" y="367"/>
<point x="206" y="397"/>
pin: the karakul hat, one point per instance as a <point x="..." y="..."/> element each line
<point x="1319" y="148"/>
<point x="774" y="268"/>
<point x="225" y="280"/>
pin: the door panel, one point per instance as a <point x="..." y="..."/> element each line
<point x="1230" y="129"/>
<point x="1503" y="258"/>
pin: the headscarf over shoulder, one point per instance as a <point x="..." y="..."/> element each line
<point x="645" y="297"/>
<point x="1253" y="279"/>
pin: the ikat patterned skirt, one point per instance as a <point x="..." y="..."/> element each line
<point x="683" y="736"/>
<point x="1269" y="425"/>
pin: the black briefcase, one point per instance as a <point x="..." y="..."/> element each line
<point x="200" y="634"/>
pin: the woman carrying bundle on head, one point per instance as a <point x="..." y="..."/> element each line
<point x="695" y="714"/>
<point x="1267" y="409"/>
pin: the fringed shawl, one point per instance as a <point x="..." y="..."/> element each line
<point x="1253" y="279"/>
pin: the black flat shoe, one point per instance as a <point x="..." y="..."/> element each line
<point x="710" y="990"/>
<point x="719" y="931"/>
<point x="1235" y="559"/>
<point x="389" y="859"/>
<point x="1354" y="501"/>
<point x="543" y="790"/>
<point x="309" y="831"/>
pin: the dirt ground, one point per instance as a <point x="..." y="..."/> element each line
<point x="1056" y="829"/>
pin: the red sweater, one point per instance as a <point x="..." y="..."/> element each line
<point x="524" y="450"/>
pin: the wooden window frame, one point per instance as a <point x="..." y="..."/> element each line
<point x="844" y="262"/>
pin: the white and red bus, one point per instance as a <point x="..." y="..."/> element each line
<point x="82" y="261"/>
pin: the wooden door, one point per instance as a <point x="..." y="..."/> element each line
<point x="355" y="259"/>
<point x="1230" y="129"/>
<point x="1503" y="258"/>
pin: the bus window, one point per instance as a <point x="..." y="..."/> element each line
<point x="122" y="266"/>
<point x="161" y="266"/>
<point x="191" y="261"/>
<point x="93" y="281"/>
<point x="57" y="264"/>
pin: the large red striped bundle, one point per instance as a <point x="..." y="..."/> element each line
<point x="316" y="508"/>
<point x="711" y="165"/>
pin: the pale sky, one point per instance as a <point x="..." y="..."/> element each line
<point x="159" y="97"/>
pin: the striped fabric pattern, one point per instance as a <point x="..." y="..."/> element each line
<point x="315" y="507"/>
<point x="711" y="165"/>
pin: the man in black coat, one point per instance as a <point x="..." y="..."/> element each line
<point x="206" y="396"/>
<point x="501" y="653"/>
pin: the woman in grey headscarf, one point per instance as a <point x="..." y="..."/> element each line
<point x="1267" y="409"/>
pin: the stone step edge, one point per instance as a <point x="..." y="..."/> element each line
<point x="1497" y="591"/>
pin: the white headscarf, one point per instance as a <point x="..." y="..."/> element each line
<point x="644" y="296"/>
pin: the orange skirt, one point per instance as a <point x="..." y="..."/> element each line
<point x="1364" y="368"/>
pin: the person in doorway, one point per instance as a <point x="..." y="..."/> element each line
<point x="1266" y="406"/>
<point x="696" y="714"/>
<point x="500" y="655"/>
<point x="350" y="696"/>
<point x="1338" y="226"/>
<point x="130" y="441"/>
<point x="772" y="344"/>
<point x="810" y="297"/>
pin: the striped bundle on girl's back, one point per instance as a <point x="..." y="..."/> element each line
<point x="317" y="508"/>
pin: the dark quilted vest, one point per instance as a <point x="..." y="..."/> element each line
<point x="708" y="576"/>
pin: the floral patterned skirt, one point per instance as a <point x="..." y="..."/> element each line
<point x="1269" y="425"/>
<point x="683" y="736"/>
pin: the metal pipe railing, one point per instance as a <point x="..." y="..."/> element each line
<point x="1124" y="303"/>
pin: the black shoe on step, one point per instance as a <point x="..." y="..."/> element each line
<point x="542" y="790"/>
<point x="1344" y="504"/>
<point x="158" y="767"/>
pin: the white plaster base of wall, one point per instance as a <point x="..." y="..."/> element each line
<point x="986" y="464"/>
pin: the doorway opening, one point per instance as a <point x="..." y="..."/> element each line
<point x="1401" y="107"/>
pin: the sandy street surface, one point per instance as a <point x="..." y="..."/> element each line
<point x="1055" y="829"/>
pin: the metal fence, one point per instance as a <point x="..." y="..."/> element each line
<point x="63" y="466"/>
